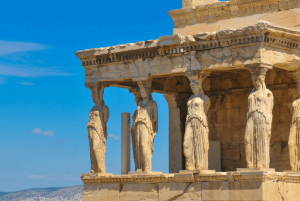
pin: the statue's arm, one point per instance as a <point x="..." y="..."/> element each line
<point x="106" y="114"/>
<point x="207" y="104"/>
<point x="155" y="115"/>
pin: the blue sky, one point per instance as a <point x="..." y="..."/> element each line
<point x="44" y="104"/>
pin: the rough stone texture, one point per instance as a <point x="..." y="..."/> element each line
<point x="136" y="192"/>
<point x="144" y="128"/>
<point x="259" y="121"/>
<point x="233" y="14"/>
<point x="291" y="191"/>
<point x="192" y="3"/>
<point x="245" y="190"/>
<point x="234" y="186"/>
<point x="168" y="191"/>
<point x="196" y="137"/>
<point x="192" y="193"/>
<point x="101" y="192"/>
<point x="97" y="130"/>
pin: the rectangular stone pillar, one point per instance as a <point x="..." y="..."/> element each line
<point x="125" y="147"/>
<point x="177" y="117"/>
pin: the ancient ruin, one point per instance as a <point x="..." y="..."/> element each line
<point x="244" y="55"/>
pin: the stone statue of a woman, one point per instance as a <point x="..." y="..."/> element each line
<point x="294" y="138"/>
<point x="258" y="128"/>
<point x="144" y="128"/>
<point x="196" y="138"/>
<point x="98" y="131"/>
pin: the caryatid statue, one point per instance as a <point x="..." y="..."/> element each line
<point x="97" y="130"/>
<point x="259" y="121"/>
<point x="144" y="128"/>
<point x="294" y="138"/>
<point x="196" y="137"/>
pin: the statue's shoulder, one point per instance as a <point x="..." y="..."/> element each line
<point x="296" y="100"/>
<point x="153" y="102"/>
<point x="270" y="94"/>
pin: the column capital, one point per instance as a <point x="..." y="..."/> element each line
<point x="176" y="100"/>
<point x="136" y="92"/>
<point x="296" y="76"/>
<point x="258" y="65"/>
<point x="197" y="75"/>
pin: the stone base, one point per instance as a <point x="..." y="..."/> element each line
<point x="255" y="170"/>
<point x="234" y="186"/>
<point x="144" y="172"/>
<point x="196" y="171"/>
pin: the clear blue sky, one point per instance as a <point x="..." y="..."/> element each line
<point x="44" y="105"/>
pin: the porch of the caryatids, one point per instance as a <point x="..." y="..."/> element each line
<point x="259" y="120"/>
<point x="294" y="136"/>
<point x="144" y="127"/>
<point x="97" y="130"/>
<point x="196" y="137"/>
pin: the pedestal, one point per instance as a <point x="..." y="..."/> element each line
<point x="218" y="186"/>
<point x="255" y="170"/>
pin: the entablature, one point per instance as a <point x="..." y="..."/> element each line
<point x="263" y="44"/>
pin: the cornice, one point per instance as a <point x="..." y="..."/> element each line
<point x="179" y="178"/>
<point x="176" y="45"/>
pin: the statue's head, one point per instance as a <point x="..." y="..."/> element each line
<point x="145" y="89"/>
<point x="196" y="86"/>
<point x="97" y="94"/>
<point x="258" y="76"/>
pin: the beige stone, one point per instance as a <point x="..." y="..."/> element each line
<point x="193" y="192"/>
<point x="258" y="129"/>
<point x="168" y="191"/>
<point x="196" y="137"/>
<point x="101" y="192"/>
<point x="194" y="18"/>
<point x="144" y="128"/>
<point x="245" y="190"/>
<point x="139" y="192"/>
<point x="125" y="146"/>
<point x="98" y="131"/>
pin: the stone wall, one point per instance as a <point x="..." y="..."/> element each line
<point x="234" y="186"/>
<point x="196" y="17"/>
<point x="227" y="115"/>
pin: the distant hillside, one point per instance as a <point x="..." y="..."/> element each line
<point x="74" y="193"/>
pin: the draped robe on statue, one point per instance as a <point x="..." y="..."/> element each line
<point x="294" y="138"/>
<point x="196" y="139"/>
<point x="258" y="128"/>
<point x="97" y="137"/>
<point x="144" y="129"/>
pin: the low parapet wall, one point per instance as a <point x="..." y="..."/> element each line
<point x="235" y="186"/>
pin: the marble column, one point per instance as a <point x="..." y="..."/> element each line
<point x="125" y="145"/>
<point x="294" y="136"/>
<point x="144" y="127"/>
<point x="259" y="121"/>
<point x="97" y="130"/>
<point x="177" y="116"/>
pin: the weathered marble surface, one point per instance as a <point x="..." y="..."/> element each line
<point x="232" y="186"/>
<point x="259" y="121"/>
<point x="196" y="137"/>
<point x="97" y="130"/>
<point x="216" y="16"/>
<point x="144" y="128"/>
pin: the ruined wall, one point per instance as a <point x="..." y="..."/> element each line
<point x="228" y="93"/>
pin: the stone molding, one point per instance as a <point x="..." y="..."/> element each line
<point x="177" y="178"/>
<point x="260" y="44"/>
<point x="226" y="10"/>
